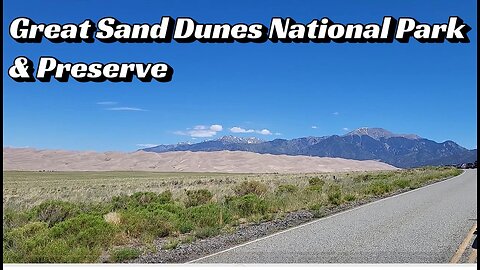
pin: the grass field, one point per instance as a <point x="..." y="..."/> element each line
<point x="22" y="190"/>
<point x="83" y="216"/>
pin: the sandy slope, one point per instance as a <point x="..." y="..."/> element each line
<point x="29" y="159"/>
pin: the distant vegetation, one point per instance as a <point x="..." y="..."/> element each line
<point x="121" y="227"/>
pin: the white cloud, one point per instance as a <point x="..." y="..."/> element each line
<point x="278" y="134"/>
<point x="201" y="131"/>
<point x="107" y="103"/>
<point x="244" y="130"/>
<point x="125" y="109"/>
<point x="336" y="113"/>
<point x="147" y="145"/>
<point x="264" y="132"/>
<point x="345" y="129"/>
<point x="216" y="128"/>
<point x="314" y="127"/>
<point x="241" y="130"/>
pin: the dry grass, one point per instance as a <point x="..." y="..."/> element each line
<point x="75" y="218"/>
<point x="22" y="190"/>
<point x="26" y="189"/>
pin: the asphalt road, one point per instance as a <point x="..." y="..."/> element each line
<point x="422" y="226"/>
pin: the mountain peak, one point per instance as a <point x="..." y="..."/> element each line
<point x="232" y="139"/>
<point x="378" y="133"/>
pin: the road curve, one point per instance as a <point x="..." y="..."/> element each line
<point x="422" y="226"/>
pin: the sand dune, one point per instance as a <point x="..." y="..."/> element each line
<point x="28" y="159"/>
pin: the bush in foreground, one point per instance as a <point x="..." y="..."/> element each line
<point x="198" y="197"/>
<point x="250" y="187"/>
<point x="124" y="254"/>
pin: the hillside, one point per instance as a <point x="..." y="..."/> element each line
<point x="399" y="150"/>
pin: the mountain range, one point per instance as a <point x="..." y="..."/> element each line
<point x="399" y="150"/>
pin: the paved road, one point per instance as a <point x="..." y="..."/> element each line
<point x="423" y="226"/>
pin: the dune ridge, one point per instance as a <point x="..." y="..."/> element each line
<point x="29" y="159"/>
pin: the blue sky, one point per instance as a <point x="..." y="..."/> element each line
<point x="265" y="90"/>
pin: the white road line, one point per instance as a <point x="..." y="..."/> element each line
<point x="324" y="218"/>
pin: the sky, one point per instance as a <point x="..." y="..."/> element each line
<point x="266" y="90"/>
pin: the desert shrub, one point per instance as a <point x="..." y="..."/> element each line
<point x="316" y="181"/>
<point x="317" y="210"/>
<point x="350" y="197"/>
<point x="79" y="239"/>
<point x="95" y="208"/>
<point x="378" y="187"/>
<point x="145" y="225"/>
<point x="315" y="184"/>
<point x="187" y="239"/>
<point x="286" y="189"/>
<point x="208" y="215"/>
<point x="401" y="183"/>
<point x="120" y="202"/>
<point x="250" y="187"/>
<point x="247" y="205"/>
<point x="171" y="244"/>
<point x="143" y="198"/>
<point x="58" y="250"/>
<point x="184" y="225"/>
<point x="140" y="199"/>
<point x="174" y="213"/>
<point x="315" y="188"/>
<point x="19" y="242"/>
<point x="334" y="194"/>
<point x="124" y="254"/>
<point x="206" y="232"/>
<point x="14" y="219"/>
<point x="173" y="208"/>
<point x="85" y="231"/>
<point x="198" y="197"/>
<point x="53" y="212"/>
<point x="165" y="197"/>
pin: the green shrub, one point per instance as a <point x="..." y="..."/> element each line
<point x="171" y="244"/>
<point x="184" y="225"/>
<point x="173" y="208"/>
<point x="140" y="199"/>
<point x="315" y="188"/>
<point x="95" y="208"/>
<point x="250" y="187"/>
<point x="317" y="210"/>
<point x="207" y="232"/>
<point x="350" y="197"/>
<point x="198" y="197"/>
<point x="120" y="202"/>
<point x="19" y="243"/>
<point x="209" y="215"/>
<point x="286" y="189"/>
<point x="165" y="197"/>
<point x="53" y="212"/>
<point x="334" y="194"/>
<point x="378" y="187"/>
<point x="14" y="219"/>
<point x="187" y="239"/>
<point x="316" y="182"/>
<point x="124" y="254"/>
<point x="146" y="225"/>
<point x="84" y="230"/>
<point x="77" y="240"/>
<point x="401" y="183"/>
<point x="248" y="205"/>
